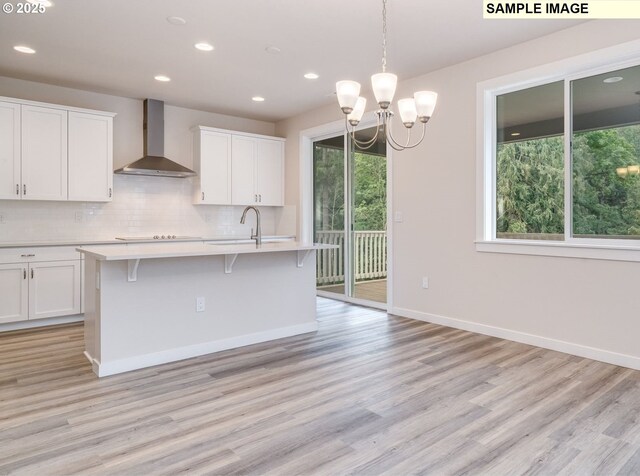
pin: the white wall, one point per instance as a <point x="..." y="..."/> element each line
<point x="141" y="205"/>
<point x="586" y="303"/>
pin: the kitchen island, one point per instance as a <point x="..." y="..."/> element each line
<point x="148" y="304"/>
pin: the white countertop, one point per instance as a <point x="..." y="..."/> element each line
<point x="177" y="250"/>
<point x="113" y="241"/>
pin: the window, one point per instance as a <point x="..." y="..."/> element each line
<point x="561" y="162"/>
<point x="606" y="155"/>
<point x="530" y="163"/>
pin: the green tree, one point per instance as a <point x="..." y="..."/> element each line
<point x="328" y="170"/>
<point x="370" y="180"/>
<point x="605" y="203"/>
<point x="530" y="186"/>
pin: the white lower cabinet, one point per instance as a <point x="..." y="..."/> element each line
<point x="14" y="294"/>
<point x="54" y="289"/>
<point x="31" y="289"/>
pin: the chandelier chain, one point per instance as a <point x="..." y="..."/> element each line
<point x="384" y="36"/>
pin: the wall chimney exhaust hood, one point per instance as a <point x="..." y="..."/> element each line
<point x="153" y="162"/>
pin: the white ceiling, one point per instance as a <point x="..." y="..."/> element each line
<point x="118" y="46"/>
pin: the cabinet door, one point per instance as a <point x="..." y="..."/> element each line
<point x="9" y="150"/>
<point x="270" y="171"/>
<point x="44" y="153"/>
<point x="54" y="289"/>
<point x="13" y="292"/>
<point x="243" y="159"/>
<point x="214" y="168"/>
<point x="90" y="157"/>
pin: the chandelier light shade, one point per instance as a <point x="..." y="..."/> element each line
<point x="384" y="88"/>
<point x="425" y="104"/>
<point x="358" y="111"/>
<point x="347" y="92"/>
<point x="383" y="84"/>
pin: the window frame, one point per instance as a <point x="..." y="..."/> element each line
<point x="579" y="67"/>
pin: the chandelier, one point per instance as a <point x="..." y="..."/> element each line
<point x="419" y="107"/>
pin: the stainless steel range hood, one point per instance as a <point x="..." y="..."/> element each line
<point x="154" y="163"/>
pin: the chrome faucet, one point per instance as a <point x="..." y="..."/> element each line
<point x="258" y="234"/>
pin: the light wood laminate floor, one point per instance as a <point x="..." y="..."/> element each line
<point x="366" y="394"/>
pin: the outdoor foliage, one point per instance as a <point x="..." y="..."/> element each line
<point x="370" y="179"/>
<point x="530" y="177"/>
<point x="370" y="200"/>
<point x="530" y="186"/>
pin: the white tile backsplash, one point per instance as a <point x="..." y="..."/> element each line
<point x="141" y="206"/>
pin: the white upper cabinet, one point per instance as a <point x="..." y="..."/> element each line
<point x="9" y="150"/>
<point x="238" y="168"/>
<point x="44" y="153"/>
<point x="258" y="171"/>
<point x="51" y="152"/>
<point x="212" y="163"/>
<point x="243" y="173"/>
<point x="270" y="172"/>
<point x="90" y="157"/>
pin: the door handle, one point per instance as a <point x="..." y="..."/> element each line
<point x="110" y="192"/>
<point x="30" y="255"/>
<point x="31" y="273"/>
<point x="203" y="196"/>
<point x="17" y="189"/>
<point x="24" y="189"/>
<point x="255" y="198"/>
<point x="260" y="197"/>
<point x="24" y="273"/>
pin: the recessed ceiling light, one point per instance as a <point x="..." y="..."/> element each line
<point x="311" y="76"/>
<point x="177" y="20"/>
<point x="204" y="46"/>
<point x="274" y="50"/>
<point x="257" y="98"/>
<point x="24" y="49"/>
<point x="612" y="79"/>
<point x="44" y="3"/>
<point x="515" y="134"/>
<point x="162" y="77"/>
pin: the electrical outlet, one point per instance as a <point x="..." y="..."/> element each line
<point x="425" y="282"/>
<point x="199" y="304"/>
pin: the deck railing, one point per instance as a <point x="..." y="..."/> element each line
<point x="370" y="256"/>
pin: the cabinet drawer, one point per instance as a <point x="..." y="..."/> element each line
<point x="38" y="253"/>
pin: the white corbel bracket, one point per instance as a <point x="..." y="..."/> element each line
<point x="132" y="268"/>
<point x="302" y="255"/>
<point x="228" y="262"/>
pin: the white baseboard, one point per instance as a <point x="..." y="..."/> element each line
<point x="103" y="369"/>
<point x="51" y="321"/>
<point x="601" y="355"/>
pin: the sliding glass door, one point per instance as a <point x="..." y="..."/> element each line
<point x="350" y="193"/>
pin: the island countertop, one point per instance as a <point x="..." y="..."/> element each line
<point x="184" y="249"/>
